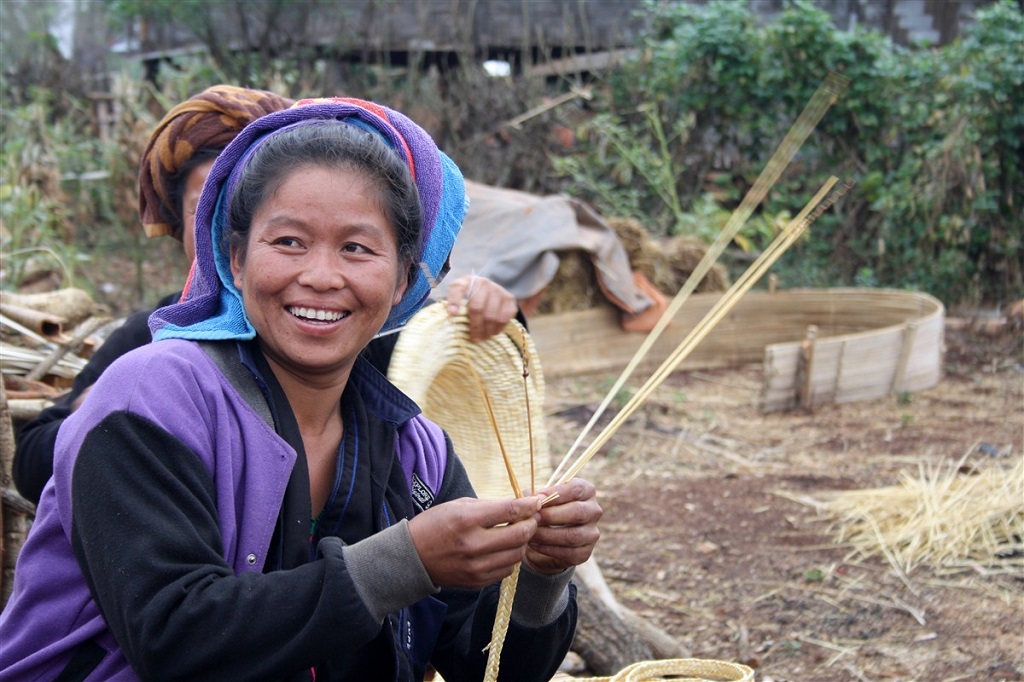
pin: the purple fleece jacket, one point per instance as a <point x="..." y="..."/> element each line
<point x="250" y="466"/>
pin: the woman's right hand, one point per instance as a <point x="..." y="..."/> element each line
<point x="470" y="543"/>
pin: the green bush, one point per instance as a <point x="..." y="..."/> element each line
<point x="674" y="140"/>
<point x="68" y="193"/>
<point x="932" y="137"/>
<point x="36" y="224"/>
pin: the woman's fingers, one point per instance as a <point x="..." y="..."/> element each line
<point x="489" y="306"/>
<point x="567" y="532"/>
<point x="470" y="543"/>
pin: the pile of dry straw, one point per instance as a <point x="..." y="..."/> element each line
<point x="948" y="517"/>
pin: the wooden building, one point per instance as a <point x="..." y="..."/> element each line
<point x="523" y="32"/>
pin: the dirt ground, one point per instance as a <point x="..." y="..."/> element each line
<point x="702" y="535"/>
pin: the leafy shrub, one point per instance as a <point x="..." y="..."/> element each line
<point x="35" y="224"/>
<point x="933" y="138"/>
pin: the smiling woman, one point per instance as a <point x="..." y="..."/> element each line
<point x="276" y="509"/>
<point x="320" y="253"/>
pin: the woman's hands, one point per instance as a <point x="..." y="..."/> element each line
<point x="489" y="306"/>
<point x="471" y="543"/>
<point x="567" y="531"/>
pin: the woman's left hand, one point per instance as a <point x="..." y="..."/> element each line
<point x="489" y="306"/>
<point x="567" y="531"/>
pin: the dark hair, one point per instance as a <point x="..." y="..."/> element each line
<point x="334" y="145"/>
<point x="176" y="192"/>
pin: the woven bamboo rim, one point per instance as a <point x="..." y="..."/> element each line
<point x="695" y="669"/>
<point x="436" y="364"/>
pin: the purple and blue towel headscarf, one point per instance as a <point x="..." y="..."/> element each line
<point x="211" y="306"/>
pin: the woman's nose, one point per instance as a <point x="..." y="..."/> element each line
<point x="322" y="270"/>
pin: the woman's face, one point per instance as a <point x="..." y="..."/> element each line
<point x="320" y="273"/>
<point x="189" y="203"/>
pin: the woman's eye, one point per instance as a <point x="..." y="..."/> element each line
<point x="355" y="248"/>
<point x="286" y="241"/>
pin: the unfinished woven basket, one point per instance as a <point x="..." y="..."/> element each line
<point x="436" y="364"/>
<point x="680" y="670"/>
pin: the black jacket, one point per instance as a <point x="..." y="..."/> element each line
<point x="33" y="455"/>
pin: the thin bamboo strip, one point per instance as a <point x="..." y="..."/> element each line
<point x="507" y="593"/>
<point x="826" y="95"/>
<point x="789" y="235"/>
<point x="16" y="360"/>
<point x="70" y="346"/>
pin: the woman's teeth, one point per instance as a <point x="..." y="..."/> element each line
<point x="315" y="314"/>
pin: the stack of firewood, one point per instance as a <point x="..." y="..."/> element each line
<point x="45" y="340"/>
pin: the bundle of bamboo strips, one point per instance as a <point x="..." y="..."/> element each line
<point x="826" y="95"/>
<point x="786" y="239"/>
<point x="21" y="361"/>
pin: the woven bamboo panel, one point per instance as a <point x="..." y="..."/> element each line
<point x="870" y="342"/>
<point x="901" y="353"/>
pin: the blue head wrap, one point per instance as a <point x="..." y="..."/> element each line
<point x="211" y="306"/>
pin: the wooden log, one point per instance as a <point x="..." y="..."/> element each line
<point x="16" y="513"/>
<point x="610" y="636"/>
<point x="73" y="305"/>
<point x="24" y="409"/>
<point x="604" y="640"/>
<point x="42" y="323"/>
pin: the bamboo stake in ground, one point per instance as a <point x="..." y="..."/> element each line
<point x="820" y="102"/>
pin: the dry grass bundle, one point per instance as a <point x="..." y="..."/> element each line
<point x="943" y="518"/>
<point x="637" y="241"/>
<point x="574" y="286"/>
<point x="667" y="263"/>
<point x="682" y="254"/>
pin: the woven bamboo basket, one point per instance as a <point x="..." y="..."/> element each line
<point x="678" y="669"/>
<point x="460" y="385"/>
<point x="876" y="342"/>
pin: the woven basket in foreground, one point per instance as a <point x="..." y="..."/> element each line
<point x="436" y="364"/>
<point x="678" y="669"/>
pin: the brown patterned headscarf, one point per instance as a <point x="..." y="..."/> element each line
<point x="207" y="121"/>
